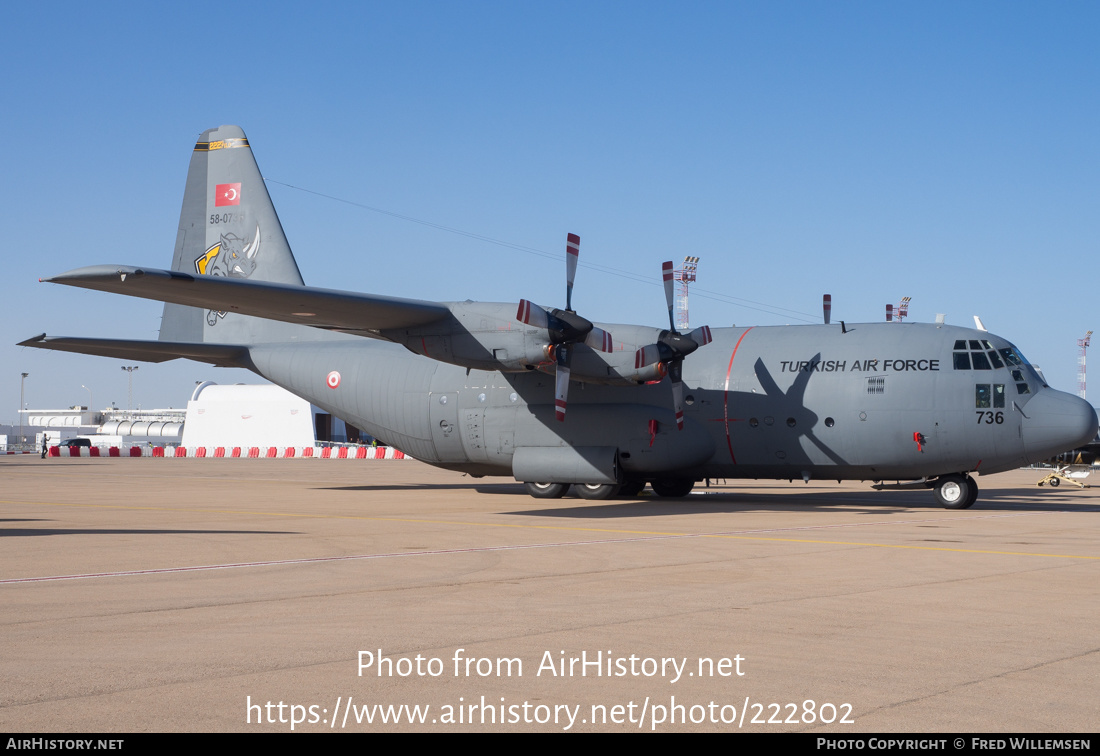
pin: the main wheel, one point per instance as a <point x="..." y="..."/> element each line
<point x="1054" y="482"/>
<point x="973" y="497"/>
<point x="954" y="491"/>
<point x="596" y="490"/>
<point x="673" y="488"/>
<point x="546" y="490"/>
<point x="631" y="488"/>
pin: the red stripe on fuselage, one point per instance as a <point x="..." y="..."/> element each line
<point x="726" y="397"/>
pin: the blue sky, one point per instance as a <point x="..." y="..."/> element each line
<point x="944" y="151"/>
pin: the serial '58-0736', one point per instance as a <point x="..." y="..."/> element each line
<point x="554" y="400"/>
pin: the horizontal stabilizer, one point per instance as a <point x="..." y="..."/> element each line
<point x="218" y="355"/>
<point x="362" y="314"/>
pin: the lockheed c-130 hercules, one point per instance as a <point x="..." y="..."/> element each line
<point x="553" y="400"/>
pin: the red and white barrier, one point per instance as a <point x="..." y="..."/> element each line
<point x="234" y="452"/>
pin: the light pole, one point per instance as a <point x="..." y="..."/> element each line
<point x="23" y="377"/>
<point x="130" y="385"/>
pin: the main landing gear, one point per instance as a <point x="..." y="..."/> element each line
<point x="674" y="488"/>
<point x="956" y="491"/>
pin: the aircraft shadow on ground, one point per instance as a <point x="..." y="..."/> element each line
<point x="26" y="532"/>
<point x="414" y="487"/>
<point x="862" y="502"/>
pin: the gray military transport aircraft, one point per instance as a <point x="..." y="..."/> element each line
<point x="484" y="387"/>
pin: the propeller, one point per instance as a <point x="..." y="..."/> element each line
<point x="564" y="328"/>
<point x="671" y="348"/>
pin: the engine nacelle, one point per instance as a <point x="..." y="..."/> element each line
<point x="487" y="336"/>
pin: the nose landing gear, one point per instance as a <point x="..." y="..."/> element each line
<point x="956" y="491"/>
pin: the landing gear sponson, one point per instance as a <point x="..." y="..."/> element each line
<point x="674" y="488"/>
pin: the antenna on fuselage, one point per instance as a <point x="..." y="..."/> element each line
<point x="827" y="307"/>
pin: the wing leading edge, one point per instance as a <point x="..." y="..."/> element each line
<point x="329" y="309"/>
<point x="218" y="355"/>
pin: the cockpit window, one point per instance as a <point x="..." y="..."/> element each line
<point x="1021" y="382"/>
<point x="962" y="360"/>
<point x="1011" y="357"/>
<point x="996" y="359"/>
<point x="980" y="361"/>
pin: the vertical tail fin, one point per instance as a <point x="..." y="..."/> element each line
<point x="228" y="227"/>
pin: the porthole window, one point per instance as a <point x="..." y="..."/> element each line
<point x="481" y="398"/>
<point x="753" y="422"/>
<point x="689" y="399"/>
<point x="791" y="422"/>
<point x="769" y="421"/>
<point x="829" y="422"/>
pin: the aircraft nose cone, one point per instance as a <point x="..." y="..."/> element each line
<point x="1054" y="422"/>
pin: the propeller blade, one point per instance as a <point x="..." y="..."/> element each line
<point x="676" y="375"/>
<point x="701" y="335"/>
<point x="572" y="253"/>
<point x="532" y="314"/>
<point x="827" y="306"/>
<point x="646" y="356"/>
<point x="599" y="339"/>
<point x="561" y="382"/>
<point x="666" y="273"/>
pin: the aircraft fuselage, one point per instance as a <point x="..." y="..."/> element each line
<point x="867" y="402"/>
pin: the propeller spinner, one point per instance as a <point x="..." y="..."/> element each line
<point x="671" y="348"/>
<point x="564" y="328"/>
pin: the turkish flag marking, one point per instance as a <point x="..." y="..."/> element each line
<point x="227" y="194"/>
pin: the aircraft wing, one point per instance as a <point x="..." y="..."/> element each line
<point x="218" y="355"/>
<point x="330" y="309"/>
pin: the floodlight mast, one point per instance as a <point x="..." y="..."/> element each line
<point x="1082" y="345"/>
<point x="130" y="385"/>
<point x="686" y="276"/>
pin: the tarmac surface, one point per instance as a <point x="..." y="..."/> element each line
<point x="200" y="594"/>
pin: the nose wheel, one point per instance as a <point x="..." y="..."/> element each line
<point x="956" y="491"/>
